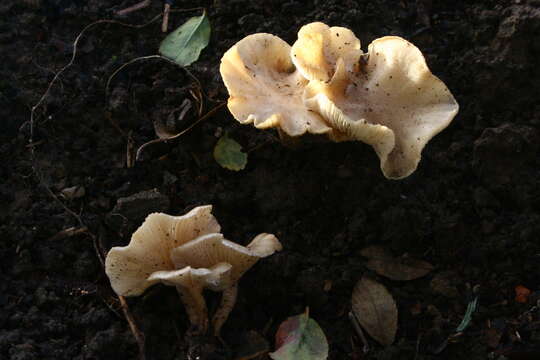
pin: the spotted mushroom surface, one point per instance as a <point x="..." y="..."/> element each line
<point x="392" y="102"/>
<point x="130" y="267"/>
<point x="187" y="252"/>
<point x="387" y="98"/>
<point x="319" y="47"/>
<point x="265" y="88"/>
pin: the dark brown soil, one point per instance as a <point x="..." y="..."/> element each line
<point x="472" y="208"/>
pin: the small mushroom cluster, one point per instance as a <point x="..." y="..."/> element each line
<point x="325" y="84"/>
<point x="190" y="253"/>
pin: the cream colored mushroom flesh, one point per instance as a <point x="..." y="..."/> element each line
<point x="387" y="97"/>
<point x="319" y="47"/>
<point x="391" y="102"/>
<point x="187" y="252"/>
<point x="264" y="87"/>
<point x="129" y="267"/>
<point x="213" y="248"/>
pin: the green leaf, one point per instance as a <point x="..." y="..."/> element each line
<point x="228" y="153"/>
<point x="300" y="338"/>
<point x="465" y="322"/>
<point x="184" y="45"/>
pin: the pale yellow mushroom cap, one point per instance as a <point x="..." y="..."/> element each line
<point x="387" y="98"/>
<point x="319" y="47"/>
<point x="213" y="248"/>
<point x="264" y="87"/>
<point x="393" y="103"/>
<point x="187" y="252"/>
<point x="129" y="267"/>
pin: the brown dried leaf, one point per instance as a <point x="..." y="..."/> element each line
<point x="166" y="129"/>
<point x="375" y="251"/>
<point x="396" y="268"/>
<point x="375" y="309"/>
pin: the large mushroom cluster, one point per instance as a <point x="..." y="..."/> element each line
<point x="325" y="84"/>
<point x="190" y="253"/>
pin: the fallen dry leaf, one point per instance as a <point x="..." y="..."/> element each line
<point x="396" y="268"/>
<point x="375" y="251"/>
<point x="166" y="128"/>
<point x="375" y="309"/>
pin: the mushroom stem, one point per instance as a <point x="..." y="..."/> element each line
<point x="228" y="299"/>
<point x="195" y="307"/>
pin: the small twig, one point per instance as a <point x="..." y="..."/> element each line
<point x="113" y="122"/>
<point x="130" y="150"/>
<point x="37" y="143"/>
<point x="194" y="79"/>
<point x="139" y="336"/>
<point x="140" y="5"/>
<point x="69" y="232"/>
<point x="417" y="347"/>
<point x="166" y="11"/>
<point x="159" y="140"/>
<point x="44" y="69"/>
<point x="98" y="249"/>
<point x="127" y="64"/>
<point x="39" y="175"/>
<point x="148" y="58"/>
<point x="145" y="4"/>
<point x="113" y="310"/>
<point x="199" y="98"/>
<point x="56" y="199"/>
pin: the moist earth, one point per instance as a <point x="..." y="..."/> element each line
<point x="71" y="187"/>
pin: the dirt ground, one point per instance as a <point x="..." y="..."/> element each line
<point x="472" y="209"/>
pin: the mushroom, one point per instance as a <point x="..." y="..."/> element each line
<point x="319" y="47"/>
<point x="390" y="101"/>
<point x="213" y="248"/>
<point x="187" y="252"/>
<point x="387" y="98"/>
<point x="264" y="87"/>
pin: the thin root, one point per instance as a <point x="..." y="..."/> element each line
<point x="138" y="6"/>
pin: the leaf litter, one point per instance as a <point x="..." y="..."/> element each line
<point x="375" y="309"/>
<point x="402" y="268"/>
